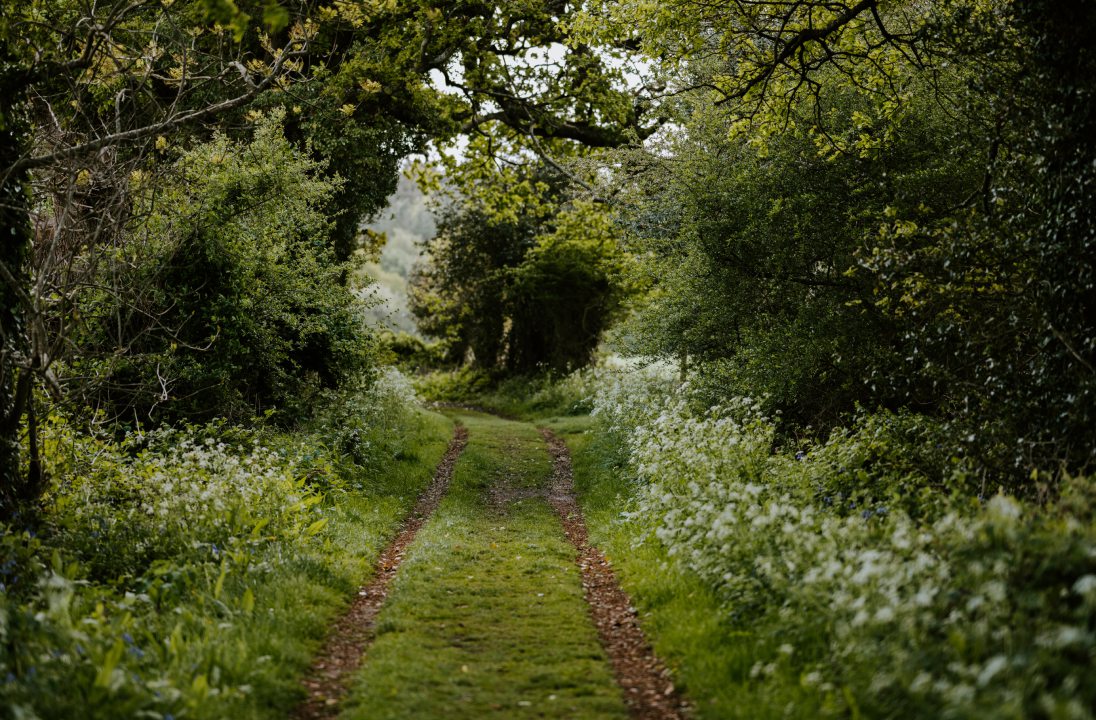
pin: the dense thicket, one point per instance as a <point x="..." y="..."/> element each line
<point x="522" y="288"/>
<point x="225" y="294"/>
<point x="878" y="205"/>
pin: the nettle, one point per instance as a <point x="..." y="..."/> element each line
<point x="965" y="607"/>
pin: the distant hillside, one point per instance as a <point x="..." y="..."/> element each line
<point x="407" y="222"/>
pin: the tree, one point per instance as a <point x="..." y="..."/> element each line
<point x="940" y="148"/>
<point x="757" y="252"/>
<point x="520" y="279"/>
<point x="118" y="87"/>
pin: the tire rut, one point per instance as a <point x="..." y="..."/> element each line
<point x="648" y="687"/>
<point x="351" y="634"/>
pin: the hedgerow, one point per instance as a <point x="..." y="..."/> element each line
<point x="872" y="572"/>
<point x="173" y="572"/>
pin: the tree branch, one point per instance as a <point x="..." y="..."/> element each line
<point x="171" y="123"/>
<point x="797" y="44"/>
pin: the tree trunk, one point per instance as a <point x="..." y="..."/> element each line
<point x="14" y="244"/>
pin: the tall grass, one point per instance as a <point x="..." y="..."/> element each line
<point x="192" y="571"/>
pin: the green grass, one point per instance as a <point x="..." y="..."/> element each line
<point x="525" y="397"/>
<point x="486" y="616"/>
<point x="710" y="659"/>
<point x="270" y="647"/>
<point x="201" y="639"/>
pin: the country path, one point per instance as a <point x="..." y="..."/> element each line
<point x="493" y="605"/>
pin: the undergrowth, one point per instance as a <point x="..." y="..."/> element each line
<point x="860" y="576"/>
<point x="524" y="396"/>
<point x="191" y="572"/>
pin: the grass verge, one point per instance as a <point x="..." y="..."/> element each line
<point x="218" y="629"/>
<point x="681" y="615"/>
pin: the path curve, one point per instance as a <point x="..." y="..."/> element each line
<point x="648" y="687"/>
<point x="351" y="634"/>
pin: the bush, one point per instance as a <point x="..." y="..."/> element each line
<point x="369" y="425"/>
<point x="532" y="395"/>
<point x="184" y="571"/>
<point x="872" y="575"/>
<point x="521" y="283"/>
<point x="226" y="299"/>
<point x="409" y="352"/>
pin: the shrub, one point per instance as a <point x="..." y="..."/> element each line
<point x="161" y="577"/>
<point x="875" y="577"/>
<point x="225" y="298"/>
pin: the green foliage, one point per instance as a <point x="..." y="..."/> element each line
<point x="521" y="280"/>
<point x="363" y="154"/>
<point x="569" y="285"/>
<point x="860" y="212"/>
<point x="995" y="305"/>
<point x="463" y="385"/>
<point x="232" y="302"/>
<point x="409" y="352"/>
<point x="190" y="572"/>
<point x="848" y="582"/>
<point x="756" y="249"/>
<point x="524" y="396"/>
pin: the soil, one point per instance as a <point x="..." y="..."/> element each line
<point x="342" y="653"/>
<point x="648" y="687"/>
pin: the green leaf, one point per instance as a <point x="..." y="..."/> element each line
<point x="104" y="678"/>
<point x="175" y="642"/>
<point x="200" y="685"/>
<point x="255" y="531"/>
<point x="275" y="17"/>
<point x="219" y="587"/>
<point x="226" y="13"/>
